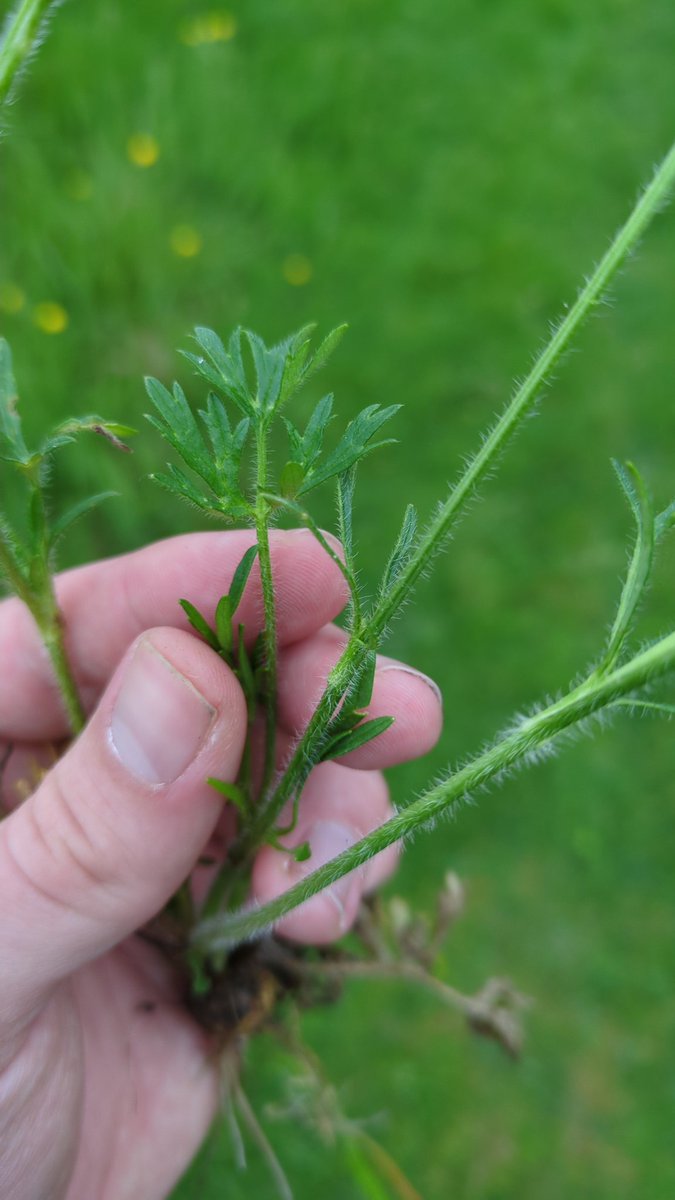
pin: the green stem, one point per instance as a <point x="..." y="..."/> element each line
<point x="21" y="34"/>
<point x="348" y="575"/>
<point x="45" y="612"/>
<point x="9" y="567"/>
<point x="262" y="514"/>
<point x="517" y="411"/>
<point x="529" y="738"/>
<point x="52" y="636"/>
<point x="301" y="761"/>
<point x="526" y="395"/>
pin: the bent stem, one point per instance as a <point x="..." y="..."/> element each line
<point x="529" y="738"/>
<point x="524" y="400"/>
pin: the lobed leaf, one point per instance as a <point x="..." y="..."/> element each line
<point x="268" y="363"/>
<point x="295" y="350"/>
<point x="354" y="444"/>
<point x="218" y="428"/>
<point x="179" y="428"/>
<point x="178" y="484"/>
<point x="327" y="347"/>
<point x="228" y="445"/>
<point x="225" y="368"/>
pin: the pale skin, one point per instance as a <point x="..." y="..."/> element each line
<point x="107" y="1085"/>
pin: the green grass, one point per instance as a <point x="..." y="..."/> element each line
<point x="450" y="172"/>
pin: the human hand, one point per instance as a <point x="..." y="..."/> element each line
<point x="107" y="1086"/>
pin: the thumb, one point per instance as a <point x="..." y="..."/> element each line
<point x="117" y="824"/>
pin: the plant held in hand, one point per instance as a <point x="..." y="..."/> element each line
<point x="260" y="390"/>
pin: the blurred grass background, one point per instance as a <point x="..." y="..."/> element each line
<point x="441" y="176"/>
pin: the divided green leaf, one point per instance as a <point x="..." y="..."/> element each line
<point x="178" y="484"/>
<point x="327" y="347"/>
<point x="179" y="428"/>
<point x="354" y="444"/>
<point x="225" y="368"/>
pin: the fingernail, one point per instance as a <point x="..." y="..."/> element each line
<point x="327" y="839"/>
<point x="160" y="720"/>
<point x="431" y="683"/>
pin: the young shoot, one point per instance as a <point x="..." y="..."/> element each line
<point x="27" y="553"/>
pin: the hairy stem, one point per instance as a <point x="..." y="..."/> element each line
<point x="527" y="393"/>
<point x="304" y="755"/>
<point x="262" y="513"/>
<point x="524" y="399"/>
<point x="530" y="736"/>
<point x="20" y="36"/>
<point x="53" y="639"/>
<point x="9" y="567"/>
<point x="45" y="612"/>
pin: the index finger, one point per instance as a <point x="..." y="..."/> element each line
<point x="107" y="604"/>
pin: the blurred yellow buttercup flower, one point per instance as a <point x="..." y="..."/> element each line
<point x="12" y="298"/>
<point x="297" y="270"/>
<point x="185" y="241"/>
<point x="143" y="149"/>
<point x="50" y="317"/>
<point x="208" y="28"/>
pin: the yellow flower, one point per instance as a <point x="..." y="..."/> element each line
<point x="12" y="298"/>
<point x="297" y="270"/>
<point x="185" y="241"/>
<point x="50" y="317"/>
<point x="208" y="27"/>
<point x="143" y="149"/>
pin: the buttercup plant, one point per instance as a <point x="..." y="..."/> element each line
<point x="259" y="389"/>
<point x="339" y="723"/>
